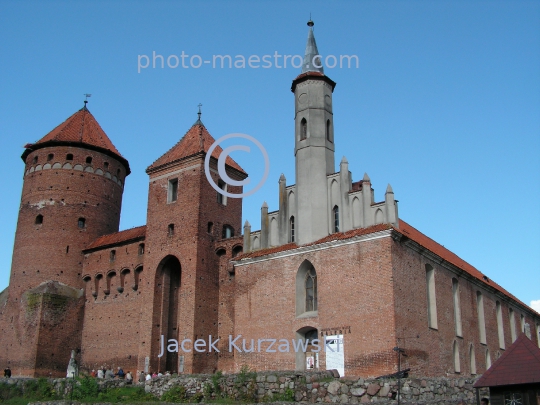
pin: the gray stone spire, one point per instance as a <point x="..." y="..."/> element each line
<point x="309" y="64"/>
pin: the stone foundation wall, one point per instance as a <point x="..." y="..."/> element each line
<point x="313" y="387"/>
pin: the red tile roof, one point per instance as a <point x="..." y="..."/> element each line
<point x="196" y="140"/>
<point x="520" y="364"/>
<point x="118" y="237"/>
<point x="83" y="128"/>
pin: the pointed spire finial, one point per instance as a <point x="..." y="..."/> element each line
<point x="312" y="58"/>
<point x="282" y="177"/>
<point x="86" y="95"/>
<point x="344" y="160"/>
<point x="199" y="122"/>
<point x="389" y="189"/>
<point x="366" y="177"/>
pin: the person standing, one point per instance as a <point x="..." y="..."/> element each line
<point x="7" y="372"/>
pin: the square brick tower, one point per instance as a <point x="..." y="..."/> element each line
<point x="185" y="217"/>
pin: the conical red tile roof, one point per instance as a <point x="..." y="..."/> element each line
<point x="196" y="140"/>
<point x="520" y="364"/>
<point x="80" y="128"/>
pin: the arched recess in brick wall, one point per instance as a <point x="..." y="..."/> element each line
<point x="166" y="310"/>
<point x="137" y="277"/>
<point x="308" y="359"/>
<point x="306" y="289"/>
<point x="125" y="275"/>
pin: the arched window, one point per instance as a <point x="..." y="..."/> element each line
<point x="170" y="230"/>
<point x="306" y="289"/>
<point x="69" y="156"/>
<point x="113" y="255"/>
<point x="432" y="302"/>
<point x="328" y="130"/>
<point x="457" y="309"/>
<point x="228" y="232"/>
<point x="141" y="249"/>
<point x="500" y="328"/>
<point x="522" y="323"/>
<point x="35" y="160"/>
<point x="50" y="157"/>
<point x="473" y="360"/>
<point x="303" y="129"/>
<point x="39" y="219"/>
<point x="311" y="290"/>
<point x="512" y="324"/>
<point x="457" y="366"/>
<point x="81" y="223"/>
<point x="481" y="319"/>
<point x="336" y="218"/>
<point x="291" y="229"/>
<point x="172" y="192"/>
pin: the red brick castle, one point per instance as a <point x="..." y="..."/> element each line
<point x="331" y="268"/>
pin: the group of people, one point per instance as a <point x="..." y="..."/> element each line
<point x="148" y="376"/>
<point x="105" y="372"/>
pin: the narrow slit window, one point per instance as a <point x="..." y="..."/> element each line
<point x="39" y="219"/>
<point x="328" y="130"/>
<point x="500" y="327"/>
<point x="69" y="156"/>
<point x="481" y="319"/>
<point x="50" y="157"/>
<point x="512" y="324"/>
<point x="336" y="219"/>
<point x="457" y="308"/>
<point x="431" y="298"/>
<point x="170" y="230"/>
<point x="89" y="159"/>
<point x="113" y="255"/>
<point x="291" y="226"/>
<point x="210" y="227"/>
<point x="81" y="223"/>
<point x="141" y="249"/>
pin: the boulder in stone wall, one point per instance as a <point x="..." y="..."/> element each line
<point x="358" y="392"/>
<point x="333" y="387"/>
<point x="384" y="390"/>
<point x="373" y="389"/>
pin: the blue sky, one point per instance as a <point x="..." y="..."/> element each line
<point x="444" y="105"/>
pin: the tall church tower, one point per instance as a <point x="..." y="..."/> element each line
<point x="72" y="194"/>
<point x="314" y="144"/>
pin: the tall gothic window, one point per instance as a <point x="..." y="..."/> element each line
<point x="431" y="300"/>
<point x="311" y="290"/>
<point x="303" y="129"/>
<point x="291" y="227"/>
<point x="336" y="218"/>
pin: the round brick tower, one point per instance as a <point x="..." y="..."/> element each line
<point x="72" y="194"/>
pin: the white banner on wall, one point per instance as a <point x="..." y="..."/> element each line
<point x="335" y="354"/>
